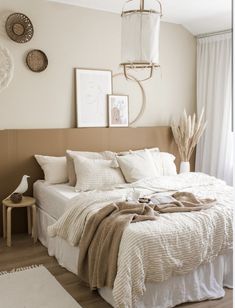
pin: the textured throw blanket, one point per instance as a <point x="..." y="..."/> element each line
<point x="181" y="202"/>
<point x="99" y="245"/>
<point x="154" y="250"/>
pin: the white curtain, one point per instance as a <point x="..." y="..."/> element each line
<point x="214" y="91"/>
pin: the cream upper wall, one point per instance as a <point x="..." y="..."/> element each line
<point x="77" y="37"/>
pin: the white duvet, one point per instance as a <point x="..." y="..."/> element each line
<point x="153" y="250"/>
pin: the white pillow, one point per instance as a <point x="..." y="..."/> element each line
<point x="137" y="166"/>
<point x="115" y="162"/>
<point x="94" y="155"/>
<point x="142" y="150"/>
<point x="54" y="168"/>
<point x="164" y="163"/>
<point x="136" y="151"/>
<point x="96" y="174"/>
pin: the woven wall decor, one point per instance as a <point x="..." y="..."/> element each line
<point x="6" y="68"/>
<point x="19" y="28"/>
<point x="37" y="60"/>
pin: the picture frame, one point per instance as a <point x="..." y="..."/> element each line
<point x="118" y="108"/>
<point x="92" y="88"/>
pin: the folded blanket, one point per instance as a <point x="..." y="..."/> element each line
<point x="99" y="245"/>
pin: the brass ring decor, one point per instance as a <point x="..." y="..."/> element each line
<point x="37" y="60"/>
<point x="143" y="105"/>
<point x="19" y="28"/>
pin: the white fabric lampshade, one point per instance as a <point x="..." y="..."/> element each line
<point x="140" y="37"/>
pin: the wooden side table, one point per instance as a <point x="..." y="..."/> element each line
<point x="8" y="205"/>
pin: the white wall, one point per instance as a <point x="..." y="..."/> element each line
<point x="77" y="37"/>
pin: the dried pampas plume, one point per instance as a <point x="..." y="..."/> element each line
<point x="187" y="134"/>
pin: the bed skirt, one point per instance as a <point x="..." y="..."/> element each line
<point x="206" y="282"/>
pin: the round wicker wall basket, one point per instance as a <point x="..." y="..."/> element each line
<point x="19" y="28"/>
<point x="37" y="60"/>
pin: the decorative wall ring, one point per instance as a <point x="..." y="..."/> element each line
<point x="6" y="68"/>
<point x="143" y="105"/>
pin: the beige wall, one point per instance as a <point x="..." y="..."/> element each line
<point x="77" y="37"/>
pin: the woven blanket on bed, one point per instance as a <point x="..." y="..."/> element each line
<point x="154" y="250"/>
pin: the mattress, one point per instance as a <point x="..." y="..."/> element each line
<point x="53" y="199"/>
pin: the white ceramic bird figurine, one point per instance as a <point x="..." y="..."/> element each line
<point x="23" y="186"/>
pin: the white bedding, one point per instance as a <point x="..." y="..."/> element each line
<point x="156" y="293"/>
<point x="206" y="282"/>
<point x="210" y="234"/>
<point x="53" y="199"/>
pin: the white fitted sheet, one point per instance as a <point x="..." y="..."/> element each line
<point x="53" y="199"/>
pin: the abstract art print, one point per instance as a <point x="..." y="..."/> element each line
<point x="118" y="110"/>
<point x="92" y="88"/>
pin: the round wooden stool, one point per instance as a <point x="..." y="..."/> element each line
<point x="8" y="205"/>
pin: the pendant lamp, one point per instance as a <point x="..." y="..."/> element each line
<point x="140" y="38"/>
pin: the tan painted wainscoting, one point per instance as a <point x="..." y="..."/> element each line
<point x="19" y="146"/>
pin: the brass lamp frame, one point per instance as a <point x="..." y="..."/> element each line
<point x="141" y="65"/>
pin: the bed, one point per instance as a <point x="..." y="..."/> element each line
<point x="16" y="158"/>
<point x="206" y="281"/>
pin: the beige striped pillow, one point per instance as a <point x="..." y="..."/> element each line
<point x="93" y="155"/>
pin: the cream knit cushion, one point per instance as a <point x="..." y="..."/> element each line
<point x="70" y="163"/>
<point x="137" y="151"/>
<point x="137" y="166"/>
<point x="164" y="163"/>
<point x="142" y="150"/>
<point x="54" y="168"/>
<point x="96" y="174"/>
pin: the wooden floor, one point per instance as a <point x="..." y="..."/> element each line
<point x="25" y="253"/>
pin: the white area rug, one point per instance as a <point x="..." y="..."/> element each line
<point x="33" y="288"/>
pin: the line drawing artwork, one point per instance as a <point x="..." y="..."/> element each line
<point x="92" y="89"/>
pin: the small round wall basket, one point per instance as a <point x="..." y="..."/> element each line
<point x="19" y="28"/>
<point x="37" y="60"/>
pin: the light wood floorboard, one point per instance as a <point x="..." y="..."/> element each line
<point x="24" y="253"/>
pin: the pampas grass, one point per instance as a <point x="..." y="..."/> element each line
<point x="187" y="134"/>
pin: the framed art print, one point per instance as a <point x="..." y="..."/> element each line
<point x="92" y="88"/>
<point x="118" y="110"/>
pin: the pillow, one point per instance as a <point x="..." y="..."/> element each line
<point x="136" y="151"/>
<point x="142" y="150"/>
<point x="115" y="163"/>
<point x="70" y="164"/>
<point x="96" y="174"/>
<point x="164" y="163"/>
<point x="54" y="168"/>
<point x="137" y="166"/>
